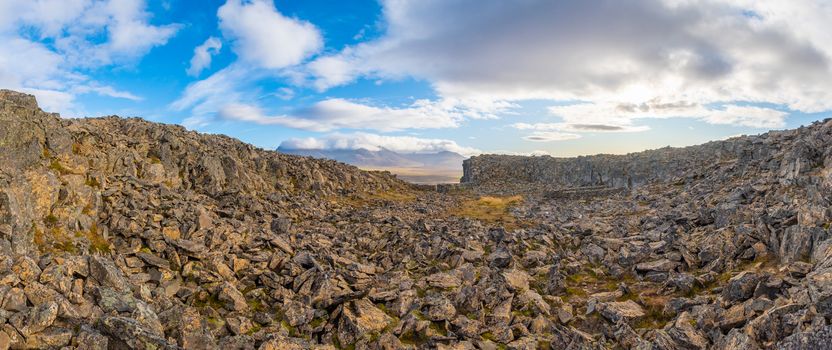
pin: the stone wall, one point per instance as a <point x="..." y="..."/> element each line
<point x="630" y="170"/>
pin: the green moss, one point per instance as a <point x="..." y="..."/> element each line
<point x="575" y="292"/>
<point x="254" y="329"/>
<point x="66" y="246"/>
<point x="92" y="182"/>
<point x="527" y="311"/>
<point x="412" y="338"/>
<point x="211" y="301"/>
<point x="57" y="166"/>
<point x="98" y="244"/>
<point x="439" y="327"/>
<point x="293" y="332"/>
<point x="216" y="322"/>
<point x="255" y="305"/>
<point x="418" y="314"/>
<point x="654" y="317"/>
<point x="50" y="220"/>
<point x="317" y="322"/>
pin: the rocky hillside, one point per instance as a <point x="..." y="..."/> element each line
<point x="782" y="154"/>
<point x="125" y="234"/>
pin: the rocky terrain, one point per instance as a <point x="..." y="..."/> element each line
<point x="125" y="234"/>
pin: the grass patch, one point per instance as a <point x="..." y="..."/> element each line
<point x="255" y="305"/>
<point x="317" y="323"/>
<point x="413" y="339"/>
<point x="211" y="301"/>
<point x="571" y="292"/>
<point x="54" y="240"/>
<point x="654" y="317"/>
<point x="439" y="328"/>
<point x="254" y="329"/>
<point x="92" y="182"/>
<point x="57" y="166"/>
<point x="98" y="244"/>
<point x="368" y="199"/>
<point x="50" y="220"/>
<point x="491" y="210"/>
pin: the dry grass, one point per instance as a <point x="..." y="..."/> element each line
<point x="98" y="243"/>
<point x="55" y="239"/>
<point x="372" y="199"/>
<point x="491" y="210"/>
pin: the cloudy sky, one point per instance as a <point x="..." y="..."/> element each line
<point x="526" y="76"/>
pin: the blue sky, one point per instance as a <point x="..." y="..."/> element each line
<point x="558" y="77"/>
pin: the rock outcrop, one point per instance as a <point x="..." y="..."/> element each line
<point x="125" y="234"/>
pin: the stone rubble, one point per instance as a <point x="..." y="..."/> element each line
<point x="125" y="234"/>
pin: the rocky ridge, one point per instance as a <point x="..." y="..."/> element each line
<point x="125" y="234"/>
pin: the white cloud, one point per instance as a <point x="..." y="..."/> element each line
<point x="51" y="100"/>
<point x="81" y="35"/>
<point x="331" y="114"/>
<point x="129" y="34"/>
<point x="332" y="71"/>
<point x="285" y="93"/>
<point x="610" y="117"/>
<point x="206" y="96"/>
<point x="374" y="142"/>
<point x="549" y="136"/>
<point x="104" y="91"/>
<point x="754" y="117"/>
<point x="202" y="55"/>
<point x="610" y="53"/>
<point x="604" y="128"/>
<point x="268" y="45"/>
<point x="265" y="37"/>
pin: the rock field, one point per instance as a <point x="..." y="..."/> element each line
<point x="125" y="234"/>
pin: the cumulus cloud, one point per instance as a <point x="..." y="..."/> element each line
<point x="331" y="114"/>
<point x="755" y="117"/>
<point x="614" y="54"/>
<point x="374" y="142"/>
<point x="203" y="54"/>
<point x="618" y="117"/>
<point x="267" y="44"/>
<point x="82" y="35"/>
<point x="263" y="36"/>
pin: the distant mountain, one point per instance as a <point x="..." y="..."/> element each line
<point x="436" y="167"/>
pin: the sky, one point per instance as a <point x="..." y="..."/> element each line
<point x="555" y="77"/>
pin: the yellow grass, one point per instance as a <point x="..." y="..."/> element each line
<point x="490" y="209"/>
<point x="368" y="199"/>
